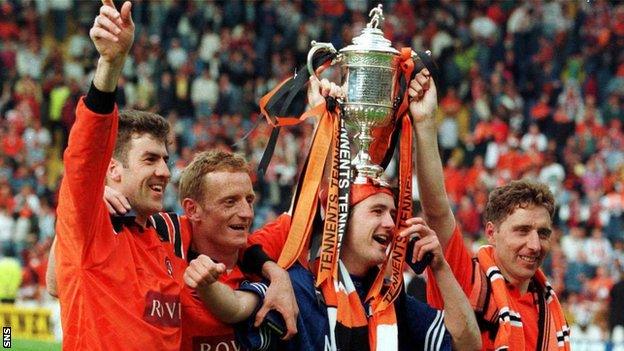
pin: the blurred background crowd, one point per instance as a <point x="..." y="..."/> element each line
<point x="527" y="90"/>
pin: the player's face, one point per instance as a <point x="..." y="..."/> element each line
<point x="521" y="242"/>
<point x="146" y="174"/>
<point x="227" y="210"/>
<point x="370" y="231"/>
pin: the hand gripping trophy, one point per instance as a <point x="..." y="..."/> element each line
<point x="371" y="72"/>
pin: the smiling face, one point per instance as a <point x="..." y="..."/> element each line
<point x="223" y="218"/>
<point x="521" y="242"/>
<point x="144" y="176"/>
<point x="370" y="231"/>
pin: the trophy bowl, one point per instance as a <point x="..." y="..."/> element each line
<point x="370" y="80"/>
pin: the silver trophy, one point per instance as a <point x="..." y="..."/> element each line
<point x="370" y="77"/>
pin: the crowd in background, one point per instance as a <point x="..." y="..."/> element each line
<point x="526" y="90"/>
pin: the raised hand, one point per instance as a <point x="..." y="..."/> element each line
<point x="203" y="271"/>
<point x="428" y="242"/>
<point x="423" y="96"/>
<point x="113" y="31"/>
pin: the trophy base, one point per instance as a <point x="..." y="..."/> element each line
<point x="368" y="172"/>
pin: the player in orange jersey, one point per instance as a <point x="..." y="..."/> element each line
<point x="115" y="273"/>
<point x="515" y="306"/>
<point x="116" y="282"/>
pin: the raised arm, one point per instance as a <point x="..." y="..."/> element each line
<point x="435" y="204"/>
<point x="113" y="34"/>
<point x="92" y="137"/>
<point x="228" y="305"/>
<point x="459" y="317"/>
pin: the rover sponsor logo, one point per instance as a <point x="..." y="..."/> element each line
<point x="162" y="310"/>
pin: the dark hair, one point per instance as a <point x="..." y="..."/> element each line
<point x="133" y="123"/>
<point x="505" y="199"/>
<point x="192" y="177"/>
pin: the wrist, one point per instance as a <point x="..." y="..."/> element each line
<point x="107" y="74"/>
<point x="425" y="122"/>
<point x="112" y="62"/>
<point x="204" y="289"/>
<point x="440" y="268"/>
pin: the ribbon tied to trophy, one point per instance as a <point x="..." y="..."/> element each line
<point x="374" y="116"/>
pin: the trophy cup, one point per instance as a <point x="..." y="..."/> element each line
<point x="370" y="77"/>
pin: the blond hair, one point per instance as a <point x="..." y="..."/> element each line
<point x="192" y="178"/>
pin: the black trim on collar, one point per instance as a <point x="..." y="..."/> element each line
<point x="128" y="220"/>
<point x="191" y="255"/>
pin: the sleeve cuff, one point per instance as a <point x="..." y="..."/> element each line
<point x="253" y="260"/>
<point x="256" y="288"/>
<point x="273" y="326"/>
<point x="99" y="101"/>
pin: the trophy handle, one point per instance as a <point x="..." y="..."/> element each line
<point x="316" y="47"/>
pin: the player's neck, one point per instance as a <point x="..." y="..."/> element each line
<point x="521" y="284"/>
<point x="141" y="220"/>
<point x="354" y="265"/>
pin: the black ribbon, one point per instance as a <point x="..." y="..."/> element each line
<point x="425" y="61"/>
<point x="280" y="104"/>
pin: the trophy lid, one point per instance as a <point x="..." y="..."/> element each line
<point x="372" y="38"/>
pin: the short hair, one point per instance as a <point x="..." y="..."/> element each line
<point x="134" y="122"/>
<point x="504" y="200"/>
<point x="192" y="177"/>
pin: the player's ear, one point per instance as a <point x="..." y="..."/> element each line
<point x="114" y="170"/>
<point x="490" y="228"/>
<point x="191" y="209"/>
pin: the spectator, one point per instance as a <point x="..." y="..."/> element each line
<point x="598" y="249"/>
<point x="11" y="273"/>
<point x="204" y="93"/>
<point x="534" y="138"/>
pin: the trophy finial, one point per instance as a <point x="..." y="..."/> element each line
<point x="377" y="17"/>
